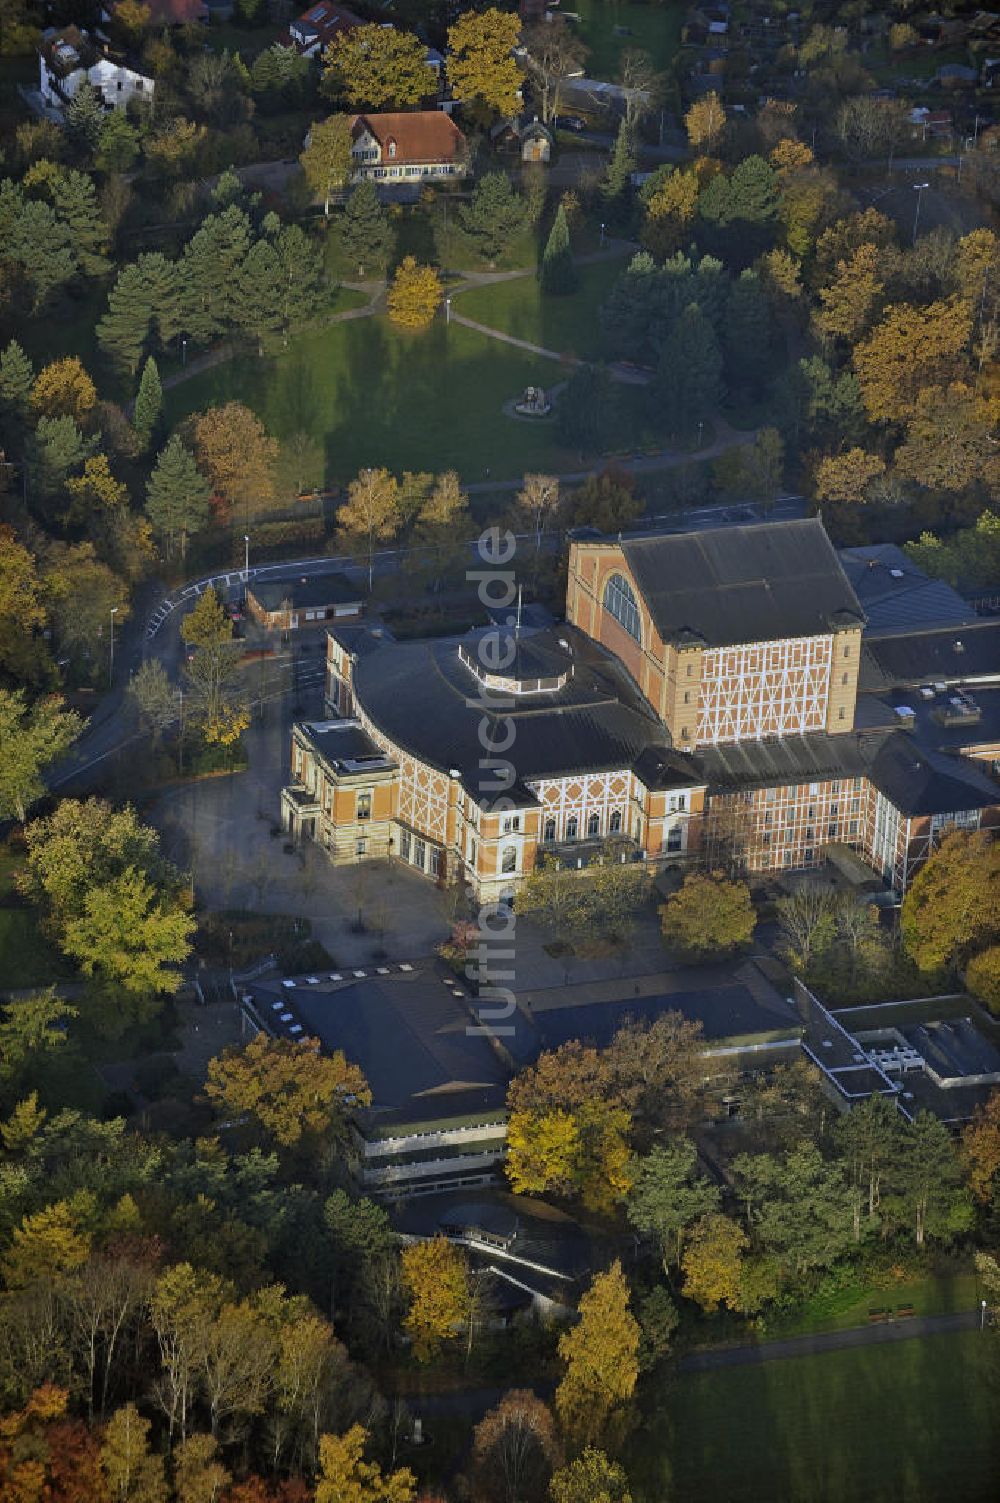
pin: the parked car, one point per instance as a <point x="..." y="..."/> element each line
<point x="570" y="122"/>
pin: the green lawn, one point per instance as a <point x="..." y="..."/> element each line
<point x="570" y="325"/>
<point x="907" y="1423"/>
<point x="25" y="958"/>
<point x="374" y="395"/>
<point x="655" y="29"/>
<point x="849" y="1307"/>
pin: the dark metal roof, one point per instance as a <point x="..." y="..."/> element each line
<point x="729" y="585"/>
<point x="897" y="596"/>
<point x="306" y="592"/>
<point x="426" y="700"/>
<point x="407" y="1031"/>
<point x="784" y="759"/>
<point x="951" y="655"/>
<point x="918" y="781"/>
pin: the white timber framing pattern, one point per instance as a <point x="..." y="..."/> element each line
<point x="764" y="689"/>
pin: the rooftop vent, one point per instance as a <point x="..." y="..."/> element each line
<point x="896" y="573"/>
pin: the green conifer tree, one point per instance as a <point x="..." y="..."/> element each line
<point x="616" y="190"/>
<point x="261" y="305"/>
<point x="176" y="496"/>
<point x="746" y="333"/>
<point x="124" y="329"/>
<point x="558" y="272"/>
<point x="689" y="380"/>
<point x="210" y="271"/>
<point x="16" y="377"/>
<point x="365" y="231"/>
<point x="74" y="198"/>
<point x="148" y="402"/>
<point x="164" y="294"/>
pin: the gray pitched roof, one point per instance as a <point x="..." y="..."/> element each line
<point x="962" y="654"/>
<point x="728" y="585"/>
<point x="896" y="595"/>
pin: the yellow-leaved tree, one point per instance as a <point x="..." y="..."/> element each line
<point x="481" y="63"/>
<point x="911" y="349"/>
<point x="345" y="1476"/>
<point x="436" y="1279"/>
<point x="713" y="1261"/>
<point x="847" y="476"/>
<point x="287" y="1088"/>
<point x="415" y="295"/>
<point x="63" y="389"/>
<point x="602" y="1363"/>
<point x="705" y="121"/>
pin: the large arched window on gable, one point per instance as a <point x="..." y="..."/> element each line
<point x="619" y="599"/>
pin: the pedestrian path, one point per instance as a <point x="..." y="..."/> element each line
<point x="750" y="1354"/>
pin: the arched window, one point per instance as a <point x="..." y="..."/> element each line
<point x="508" y="859"/>
<point x="571" y="827"/>
<point x="392" y="147"/>
<point x="550" y="830"/>
<point x="620" y="600"/>
<point x="594" y="825"/>
<point x="616" y="821"/>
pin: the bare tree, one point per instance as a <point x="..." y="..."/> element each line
<point x="808" y="919"/>
<point x="554" y="53"/>
<point x="642" y="84"/>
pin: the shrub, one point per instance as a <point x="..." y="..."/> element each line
<point x="268" y="537"/>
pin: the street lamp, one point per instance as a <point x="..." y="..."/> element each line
<point x="602" y="232"/>
<point x="982" y="1315"/>
<point x="111" y="664"/>
<point x="447" y="310"/>
<point x="246" y="558"/>
<point x="918" y="188"/>
<point x="184" y="352"/>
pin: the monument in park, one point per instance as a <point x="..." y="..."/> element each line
<point x="533" y="403"/>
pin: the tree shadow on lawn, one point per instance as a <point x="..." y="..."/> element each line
<point x="433" y="400"/>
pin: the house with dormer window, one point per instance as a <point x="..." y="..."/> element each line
<point x="397" y="148"/>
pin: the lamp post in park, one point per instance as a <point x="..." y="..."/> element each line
<point x="111" y="658"/>
<point x="918" y="188"/>
<point x="246" y="558"/>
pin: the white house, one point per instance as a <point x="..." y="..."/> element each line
<point x="69" y="58"/>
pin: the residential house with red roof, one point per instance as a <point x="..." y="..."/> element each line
<point x="399" y="147"/>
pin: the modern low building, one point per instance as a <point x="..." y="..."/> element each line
<point x="398" y="148"/>
<point x="69" y="58"/>
<point x="717" y="690"/>
<point x="289" y="604"/>
<point x="438" y="1116"/>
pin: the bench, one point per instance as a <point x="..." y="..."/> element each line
<point x="874" y="1316"/>
<point x="905" y="1312"/>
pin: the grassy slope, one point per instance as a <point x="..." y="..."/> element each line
<point x="912" y="1422"/>
<point x="568" y="324"/>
